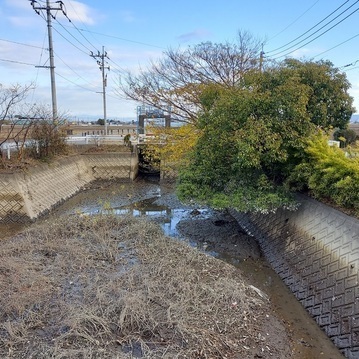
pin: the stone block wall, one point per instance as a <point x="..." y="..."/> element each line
<point x="110" y="165"/>
<point x="26" y="195"/>
<point x="315" y="250"/>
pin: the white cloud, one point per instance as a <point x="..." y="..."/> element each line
<point x="80" y="12"/>
<point x="75" y="10"/>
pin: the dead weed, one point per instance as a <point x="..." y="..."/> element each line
<point x="116" y="287"/>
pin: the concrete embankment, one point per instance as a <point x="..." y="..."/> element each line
<point x="26" y="195"/>
<point x="315" y="250"/>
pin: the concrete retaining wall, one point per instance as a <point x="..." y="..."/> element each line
<point x="26" y="195"/>
<point x="315" y="250"/>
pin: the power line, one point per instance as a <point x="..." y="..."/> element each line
<point x="334" y="47"/>
<point x="73" y="36"/>
<point x="74" y="83"/>
<point x="121" y="38"/>
<point x="298" y="37"/>
<point x="307" y="37"/>
<point x="18" y="62"/>
<point x="336" y="24"/>
<point x="21" y="43"/>
<point x="66" y="39"/>
<point x="68" y="66"/>
<point x="38" y="67"/>
<point x="78" y="30"/>
<point x="293" y="22"/>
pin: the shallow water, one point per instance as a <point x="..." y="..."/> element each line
<point x="150" y="199"/>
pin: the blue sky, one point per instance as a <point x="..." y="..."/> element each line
<point x="134" y="32"/>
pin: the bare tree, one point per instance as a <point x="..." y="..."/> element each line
<point x="28" y="125"/>
<point x="13" y="127"/>
<point x="49" y="138"/>
<point x="177" y="80"/>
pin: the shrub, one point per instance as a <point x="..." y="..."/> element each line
<point x="346" y="137"/>
<point x="329" y="174"/>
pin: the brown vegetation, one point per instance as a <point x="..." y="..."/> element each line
<point x="107" y="287"/>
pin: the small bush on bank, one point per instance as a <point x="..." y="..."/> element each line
<point x="49" y="140"/>
<point x="329" y="173"/>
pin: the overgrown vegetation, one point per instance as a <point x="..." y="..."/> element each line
<point x="329" y="173"/>
<point x="109" y="287"/>
<point x="253" y="136"/>
<point x="251" y="119"/>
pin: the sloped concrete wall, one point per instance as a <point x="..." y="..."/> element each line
<point x="26" y="195"/>
<point x="315" y="250"/>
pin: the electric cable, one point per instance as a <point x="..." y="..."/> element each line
<point x="298" y="37"/>
<point x="307" y="37"/>
<point x="69" y="67"/>
<point x="293" y="22"/>
<point x="18" y="62"/>
<point x="334" y="47"/>
<point x="74" y="83"/>
<point x="38" y="67"/>
<point x="336" y="24"/>
<point x="21" y="43"/>
<point x="89" y="50"/>
<point x="123" y="39"/>
<point x="72" y="23"/>
<point x="70" y="41"/>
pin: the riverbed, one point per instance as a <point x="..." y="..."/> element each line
<point x="216" y="233"/>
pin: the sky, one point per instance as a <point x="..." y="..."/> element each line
<point x="133" y="33"/>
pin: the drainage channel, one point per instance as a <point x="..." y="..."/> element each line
<point x="158" y="202"/>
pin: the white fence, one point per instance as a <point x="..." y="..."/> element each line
<point x="8" y="147"/>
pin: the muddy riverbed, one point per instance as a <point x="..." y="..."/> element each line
<point x="219" y="235"/>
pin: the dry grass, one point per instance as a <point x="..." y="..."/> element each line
<point x="107" y="287"/>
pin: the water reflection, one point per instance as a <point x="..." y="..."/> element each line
<point x="167" y="217"/>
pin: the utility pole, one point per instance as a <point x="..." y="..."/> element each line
<point x="48" y="8"/>
<point x="102" y="67"/>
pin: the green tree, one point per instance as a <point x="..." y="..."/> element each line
<point x="329" y="103"/>
<point x="345" y="136"/>
<point x="254" y="135"/>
